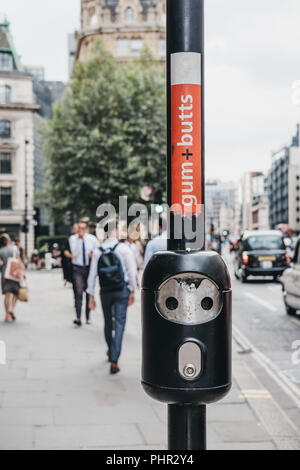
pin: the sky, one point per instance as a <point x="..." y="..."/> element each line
<point x="252" y="58"/>
<point x="40" y="29"/>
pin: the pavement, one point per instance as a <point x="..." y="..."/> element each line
<point x="56" y="391"/>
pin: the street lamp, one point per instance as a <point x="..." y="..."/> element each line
<point x="25" y="227"/>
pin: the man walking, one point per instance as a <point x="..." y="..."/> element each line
<point x="67" y="262"/>
<point x="115" y="265"/>
<point x="81" y="246"/>
<point x="158" y="243"/>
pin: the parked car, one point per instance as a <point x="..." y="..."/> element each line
<point x="261" y="253"/>
<point x="291" y="284"/>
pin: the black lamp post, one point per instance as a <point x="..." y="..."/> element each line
<point x="26" y="227"/>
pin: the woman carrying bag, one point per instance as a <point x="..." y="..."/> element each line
<point x="12" y="275"/>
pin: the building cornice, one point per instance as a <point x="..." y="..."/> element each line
<point x="16" y="74"/>
<point x="7" y="145"/>
<point x="13" y="216"/>
<point x="19" y="106"/>
<point x="139" y="29"/>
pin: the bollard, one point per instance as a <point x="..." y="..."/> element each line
<point x="186" y="292"/>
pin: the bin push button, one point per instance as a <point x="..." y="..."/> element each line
<point x="189" y="360"/>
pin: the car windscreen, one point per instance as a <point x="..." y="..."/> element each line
<point x="264" y="242"/>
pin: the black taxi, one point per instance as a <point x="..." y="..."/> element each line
<point x="261" y="253"/>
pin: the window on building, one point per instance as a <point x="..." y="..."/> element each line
<point x="5" y="129"/>
<point x="6" y="61"/>
<point x="5" y="198"/>
<point x="5" y="94"/>
<point x="129" y="15"/>
<point x="136" y="46"/>
<point x="164" y="16"/>
<point x="92" y="17"/>
<point x="162" y="47"/>
<point x="5" y="163"/>
<point x="122" y="46"/>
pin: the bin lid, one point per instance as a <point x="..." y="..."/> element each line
<point x="165" y="264"/>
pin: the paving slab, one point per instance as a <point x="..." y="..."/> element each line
<point x="26" y="416"/>
<point x="81" y="437"/>
<point x="16" y="437"/>
<point x="56" y="391"/>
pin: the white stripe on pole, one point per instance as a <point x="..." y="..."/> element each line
<point x="186" y="68"/>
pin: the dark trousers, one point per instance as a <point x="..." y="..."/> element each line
<point x="114" y="306"/>
<point x="80" y="277"/>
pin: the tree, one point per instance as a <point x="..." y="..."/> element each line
<point x="107" y="136"/>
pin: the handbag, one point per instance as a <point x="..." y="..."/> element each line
<point x="23" y="294"/>
<point x="14" y="269"/>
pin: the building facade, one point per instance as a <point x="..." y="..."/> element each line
<point x="123" y="26"/>
<point x="72" y="47"/>
<point x="220" y="205"/>
<point x="17" y="108"/>
<point x="259" y="208"/>
<point x="227" y="219"/>
<point x="46" y="94"/>
<point x="254" y="202"/>
<point x="37" y="71"/>
<point x="284" y="186"/>
<point x="260" y="213"/>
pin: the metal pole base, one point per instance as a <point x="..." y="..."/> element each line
<point x="186" y="427"/>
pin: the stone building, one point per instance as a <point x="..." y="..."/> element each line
<point x="220" y="205"/>
<point x="47" y="93"/>
<point x="123" y="26"/>
<point x="17" y="108"/>
<point x="254" y="203"/>
<point x="284" y="186"/>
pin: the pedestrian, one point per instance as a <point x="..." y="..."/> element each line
<point x="42" y="256"/>
<point x="81" y="250"/>
<point x="56" y="256"/>
<point x="135" y="248"/>
<point x="35" y="258"/>
<point x="67" y="262"/>
<point x="115" y="265"/>
<point x="158" y="243"/>
<point x="22" y="251"/>
<point x="10" y="288"/>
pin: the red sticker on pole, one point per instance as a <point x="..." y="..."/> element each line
<point x="186" y="139"/>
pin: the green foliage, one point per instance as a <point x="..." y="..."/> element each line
<point x="107" y="136"/>
<point x="61" y="240"/>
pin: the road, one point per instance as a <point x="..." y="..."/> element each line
<point x="262" y="326"/>
<point x="56" y="391"/>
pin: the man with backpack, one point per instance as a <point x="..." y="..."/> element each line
<point x="115" y="265"/>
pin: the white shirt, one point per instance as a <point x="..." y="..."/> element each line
<point x="127" y="260"/>
<point x="157" y="244"/>
<point x="133" y="247"/>
<point x="76" y="246"/>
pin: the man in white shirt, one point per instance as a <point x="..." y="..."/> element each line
<point x="158" y="243"/>
<point x="114" y="302"/>
<point x="82" y="246"/>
